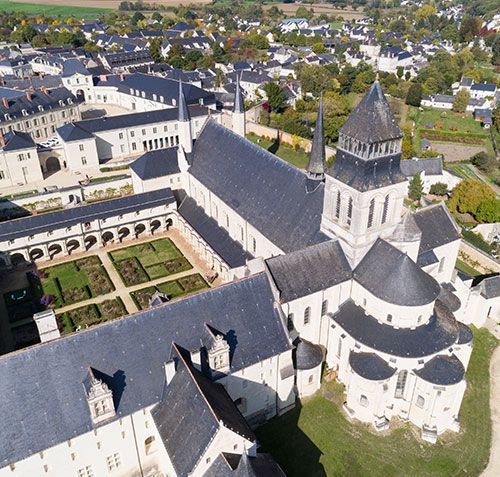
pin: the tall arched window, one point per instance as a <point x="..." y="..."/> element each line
<point x="401" y="383"/>
<point x="148" y="444"/>
<point x="349" y="211"/>
<point x="386" y="209"/>
<point x="337" y="205"/>
<point x="371" y="212"/>
<point x="307" y="315"/>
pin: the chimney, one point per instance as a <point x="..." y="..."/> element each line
<point x="5" y="102"/>
<point x="47" y="325"/>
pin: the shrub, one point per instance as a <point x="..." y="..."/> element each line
<point x="192" y="283"/>
<point x="477" y="240"/>
<point x="131" y="271"/>
<point x="488" y="211"/>
<point x="482" y="161"/>
<point x="439" y="188"/>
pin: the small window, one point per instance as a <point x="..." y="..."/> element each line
<point x="385" y="209"/>
<point x="143" y="132"/>
<point x="254" y="245"/>
<point x="84" y="161"/>
<point x="420" y="402"/>
<point x="289" y="322"/>
<point x="155" y="130"/>
<point x="81" y="146"/>
<point x="86" y="471"/>
<point x="441" y="264"/>
<point x="371" y="213"/>
<point x="132" y="134"/>
<point x="307" y="315"/>
<point x="208" y="460"/>
<point x="148" y="444"/>
<point x="311" y="378"/>
<point x="339" y="347"/>
<point x="113" y="461"/>
<point x="389" y="318"/>
<point x="363" y="400"/>
<point x="120" y="136"/>
<point x="324" y="307"/>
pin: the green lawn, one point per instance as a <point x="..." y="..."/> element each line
<point x="466" y="268"/>
<point x="52" y="10"/>
<point x="173" y="289"/>
<point x="74" y="281"/>
<point x="316" y="439"/>
<point x="297" y="158"/>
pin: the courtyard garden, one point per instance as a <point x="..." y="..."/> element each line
<point x="148" y="261"/>
<point x="316" y="439"/>
<point x="89" y="315"/>
<point x="173" y="289"/>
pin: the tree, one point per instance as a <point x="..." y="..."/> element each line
<point x="467" y="196"/>
<point x="400" y="72"/>
<point x="439" y="188"/>
<point x="481" y="160"/>
<point x="425" y="13"/>
<point x="137" y="17"/>
<point x="276" y="97"/>
<point x="415" y="188"/>
<point x="314" y="79"/>
<point x="461" y="101"/>
<point x="488" y="211"/>
<point x="469" y="28"/>
<point x="414" y="96"/>
<point x="157" y="16"/>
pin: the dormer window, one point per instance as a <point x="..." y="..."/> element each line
<point x="99" y="397"/>
<point x="40" y="108"/>
<point x="218" y="354"/>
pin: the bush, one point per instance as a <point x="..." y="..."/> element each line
<point x="439" y="188"/>
<point x="488" y="211"/>
<point x="482" y="161"/>
<point x="477" y="241"/>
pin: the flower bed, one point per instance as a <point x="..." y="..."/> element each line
<point x="73" y="295"/>
<point x="192" y="283"/>
<point x="131" y="271"/>
<point x="112" y="309"/>
<point x="142" y="297"/>
<point x="177" y="265"/>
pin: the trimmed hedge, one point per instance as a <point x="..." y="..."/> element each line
<point x="453" y="136"/>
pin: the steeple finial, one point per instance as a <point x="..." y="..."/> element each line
<point x="183" y="113"/>
<point x="239" y="105"/>
<point x="316" y="166"/>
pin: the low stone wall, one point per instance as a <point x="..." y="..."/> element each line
<point x="486" y="263"/>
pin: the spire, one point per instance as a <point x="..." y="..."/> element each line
<point x="182" y="106"/>
<point x="316" y="166"/>
<point x="239" y="105"/>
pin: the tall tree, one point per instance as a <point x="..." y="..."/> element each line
<point x="414" y="96"/>
<point x="276" y="97"/>
<point x="415" y="188"/>
<point x="461" y="101"/>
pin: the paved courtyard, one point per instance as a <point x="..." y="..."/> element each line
<point x="120" y="293"/>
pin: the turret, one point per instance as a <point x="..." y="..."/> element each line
<point x="185" y="136"/>
<point x="239" y="120"/>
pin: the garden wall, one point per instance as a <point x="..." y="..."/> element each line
<point x="485" y="261"/>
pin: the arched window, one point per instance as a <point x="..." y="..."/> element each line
<point x="420" y="401"/>
<point x="324" y="307"/>
<point x="311" y="377"/>
<point x="148" y="444"/>
<point x="289" y="322"/>
<point x="363" y="400"/>
<point x="307" y="315"/>
<point x="337" y="205"/>
<point x="401" y="383"/>
<point x="389" y="318"/>
<point x="349" y="211"/>
<point x="441" y="264"/>
<point x="385" y="209"/>
<point x="371" y="212"/>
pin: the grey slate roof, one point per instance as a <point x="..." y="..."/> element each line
<point x="442" y="370"/>
<point x="36" y="224"/>
<point x="431" y="166"/>
<point x="317" y="161"/>
<point x="438" y="334"/>
<point x="427" y="258"/>
<point x="437" y="226"/>
<point x="465" y="334"/>
<point x="307" y="355"/>
<point x="239" y="104"/>
<point x="490" y="287"/>
<point x="15" y="140"/>
<point x="73" y="132"/>
<point x="181" y="105"/>
<point x="264" y="190"/>
<point x="135" y="119"/>
<point x="191" y="412"/>
<point x="309" y="270"/>
<point x="230" y="250"/>
<point x="394" y="277"/>
<point x="370" y="366"/>
<point x="407" y="230"/>
<point x="447" y="297"/>
<point x="372" y="120"/>
<point x="132" y="352"/>
<point x="156" y="163"/>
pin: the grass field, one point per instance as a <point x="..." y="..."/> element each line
<point x="316" y="439"/>
<point x="466" y="268"/>
<point x="55" y="8"/>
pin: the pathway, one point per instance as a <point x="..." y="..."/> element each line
<point x="493" y="469"/>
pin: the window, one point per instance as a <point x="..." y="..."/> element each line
<point x="81" y="146"/>
<point x="242" y="233"/>
<point x="401" y="383"/>
<point x="148" y="444"/>
<point x="165" y="128"/>
<point x="420" y="401"/>
<point x="324" y="307"/>
<point x="385" y="209"/>
<point x="113" y="461"/>
<point x="122" y="148"/>
<point x="349" y="211"/>
<point x="389" y="318"/>
<point x="120" y="136"/>
<point x="337" y="205"/>
<point x="227" y="220"/>
<point x="99" y="408"/>
<point x="84" y="160"/>
<point x="143" y="132"/>
<point x="371" y="212"/>
<point x="363" y="400"/>
<point x="289" y="322"/>
<point x="254" y="244"/>
<point x="307" y="315"/>
<point x="339" y="347"/>
<point x="155" y="130"/>
<point x="208" y="460"/>
<point x="2" y="175"/>
<point x="441" y="264"/>
<point x="86" y="472"/>
<point x="310" y="380"/>
<point x="132" y="133"/>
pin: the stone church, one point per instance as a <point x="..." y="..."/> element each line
<point x="322" y="269"/>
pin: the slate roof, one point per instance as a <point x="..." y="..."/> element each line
<point x="264" y="190"/>
<point x="309" y="270"/>
<point x="15" y="140"/>
<point x="157" y="163"/>
<point x="432" y="166"/>
<point x="73" y="66"/>
<point x="317" y="161"/>
<point x="437" y="226"/>
<point x="132" y="352"/>
<point x="407" y="230"/>
<point x="438" y="334"/>
<point x="490" y="287"/>
<point x="73" y="132"/>
<point x="191" y="412"/>
<point x="394" y="277"/>
<point x="465" y="334"/>
<point x="59" y="219"/>
<point x="230" y="250"/>
<point x="427" y="258"/>
<point x="307" y="355"/>
<point x="447" y="297"/>
<point x="370" y="366"/>
<point x="372" y="120"/>
<point x="442" y="370"/>
<point x="183" y="113"/>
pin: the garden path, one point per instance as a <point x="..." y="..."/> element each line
<point x="493" y="469"/>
